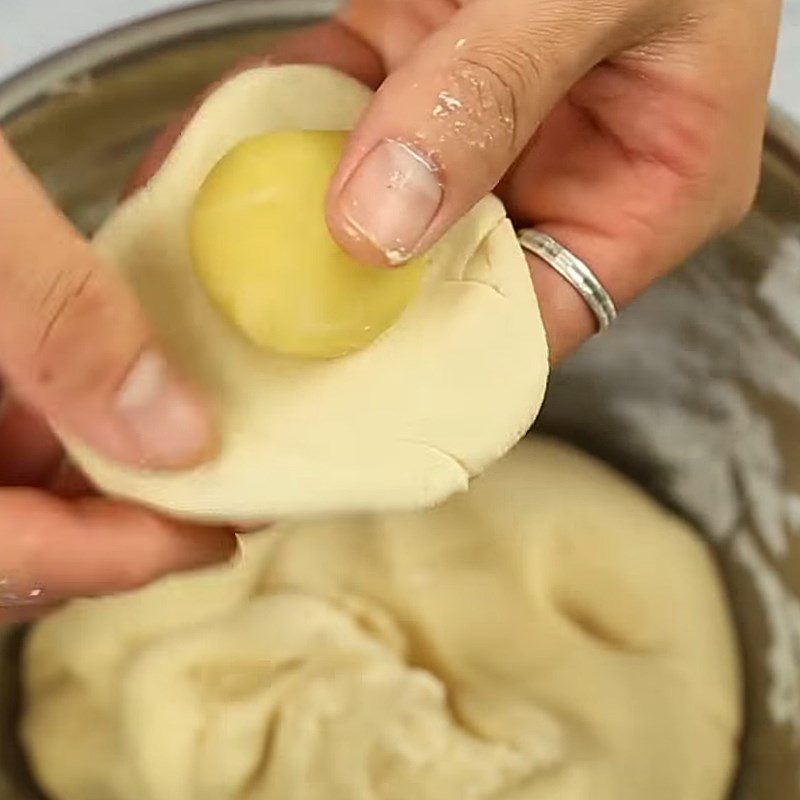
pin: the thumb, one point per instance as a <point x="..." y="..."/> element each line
<point x="445" y="127"/>
<point x="76" y="348"/>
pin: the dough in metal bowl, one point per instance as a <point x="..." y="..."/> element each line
<point x="553" y="634"/>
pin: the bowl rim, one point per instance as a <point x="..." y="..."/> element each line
<point x="38" y="81"/>
<point x="95" y="54"/>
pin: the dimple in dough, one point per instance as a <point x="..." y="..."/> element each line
<point x="402" y="424"/>
<point x="552" y="635"/>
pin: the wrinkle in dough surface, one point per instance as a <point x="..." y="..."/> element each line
<point x="511" y="644"/>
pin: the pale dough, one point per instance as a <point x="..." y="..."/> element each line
<point x="552" y="635"/>
<point x="403" y="424"/>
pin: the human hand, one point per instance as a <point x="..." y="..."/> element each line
<point x="76" y="353"/>
<point x="629" y="130"/>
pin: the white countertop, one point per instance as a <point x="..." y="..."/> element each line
<point x="30" y="29"/>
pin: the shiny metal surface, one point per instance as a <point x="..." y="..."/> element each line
<point x="82" y="120"/>
<point x="574" y="271"/>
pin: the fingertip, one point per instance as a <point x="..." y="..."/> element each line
<point x="163" y="544"/>
<point x="383" y="209"/>
<point x="210" y="546"/>
<point x="164" y="420"/>
<point x="154" y="546"/>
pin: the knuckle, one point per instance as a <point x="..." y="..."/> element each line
<point x="74" y="338"/>
<point x="57" y="306"/>
<point x="500" y="76"/>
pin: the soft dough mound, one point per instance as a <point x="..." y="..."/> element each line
<point x="400" y="425"/>
<point x="552" y="635"/>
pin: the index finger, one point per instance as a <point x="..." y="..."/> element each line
<point x="53" y="550"/>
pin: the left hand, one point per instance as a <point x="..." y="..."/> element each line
<point x="77" y="355"/>
<point x="59" y="540"/>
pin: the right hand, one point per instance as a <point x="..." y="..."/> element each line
<point x="629" y="130"/>
<point x="76" y="354"/>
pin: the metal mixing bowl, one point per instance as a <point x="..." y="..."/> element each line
<point x="695" y="393"/>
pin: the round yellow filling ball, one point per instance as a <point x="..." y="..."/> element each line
<point x="262" y="249"/>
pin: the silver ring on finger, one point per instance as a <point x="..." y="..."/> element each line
<point x="575" y="271"/>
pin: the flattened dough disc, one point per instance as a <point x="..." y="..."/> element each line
<point x="400" y="425"/>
